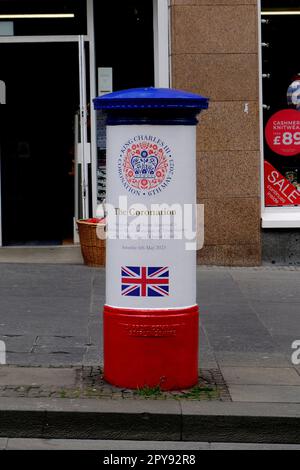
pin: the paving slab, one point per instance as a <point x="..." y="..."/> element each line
<point x="16" y="376"/>
<point x="279" y="410"/>
<point x="77" y="351"/>
<point x="207" y="359"/>
<point x="93" y="356"/>
<point x="279" y="316"/>
<point x="260" y="376"/>
<point x="214" y="290"/>
<point x="63" y="324"/>
<point x="252" y="446"/>
<point x="3" y="443"/>
<point x="284" y="342"/>
<point x="18" y="343"/>
<point x="38" y="289"/>
<point x="91" y="444"/>
<point x="31" y="306"/>
<point x="55" y="255"/>
<point x="265" y="393"/>
<point x="255" y="359"/>
<point x="35" y="359"/>
<point x="254" y="341"/>
<point x="61" y="342"/>
<point x="235" y="327"/>
<point x="273" y="289"/>
<point x="264" y="272"/>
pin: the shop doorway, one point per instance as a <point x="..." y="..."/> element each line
<point x="37" y="141"/>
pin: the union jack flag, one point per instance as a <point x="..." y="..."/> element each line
<point x="145" y="281"/>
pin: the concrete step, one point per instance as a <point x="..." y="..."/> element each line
<point x="149" y="420"/>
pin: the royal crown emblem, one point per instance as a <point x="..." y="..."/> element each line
<point x="145" y="165"/>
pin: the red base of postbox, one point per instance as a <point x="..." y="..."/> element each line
<point x="150" y="348"/>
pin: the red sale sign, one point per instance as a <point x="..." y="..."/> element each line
<point x="283" y="132"/>
<point x="278" y="190"/>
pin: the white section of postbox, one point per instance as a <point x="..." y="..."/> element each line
<point x="181" y="140"/>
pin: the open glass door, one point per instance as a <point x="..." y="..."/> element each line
<point x="82" y="143"/>
<point x="37" y="141"/>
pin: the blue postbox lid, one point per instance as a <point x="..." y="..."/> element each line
<point x="151" y="98"/>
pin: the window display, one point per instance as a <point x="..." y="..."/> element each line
<point x="281" y="102"/>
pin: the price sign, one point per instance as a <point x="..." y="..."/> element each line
<point x="283" y="132"/>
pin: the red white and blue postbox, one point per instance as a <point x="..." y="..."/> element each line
<point x="151" y="319"/>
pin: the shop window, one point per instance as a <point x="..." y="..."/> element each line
<point x="124" y="59"/>
<point x="44" y="17"/>
<point x="281" y="103"/>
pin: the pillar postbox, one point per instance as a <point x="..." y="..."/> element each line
<point x="151" y="319"/>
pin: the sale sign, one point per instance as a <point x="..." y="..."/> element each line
<point x="283" y="132"/>
<point x="278" y="190"/>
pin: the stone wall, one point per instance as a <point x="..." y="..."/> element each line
<point x="214" y="52"/>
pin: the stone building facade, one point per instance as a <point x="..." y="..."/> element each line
<point x="214" y="51"/>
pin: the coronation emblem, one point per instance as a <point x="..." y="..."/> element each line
<point x="145" y="166"/>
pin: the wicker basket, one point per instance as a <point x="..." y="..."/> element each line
<point x="92" y="247"/>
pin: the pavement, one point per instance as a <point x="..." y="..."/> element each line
<point x="32" y="254"/>
<point x="116" y="445"/>
<point x="50" y="317"/>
